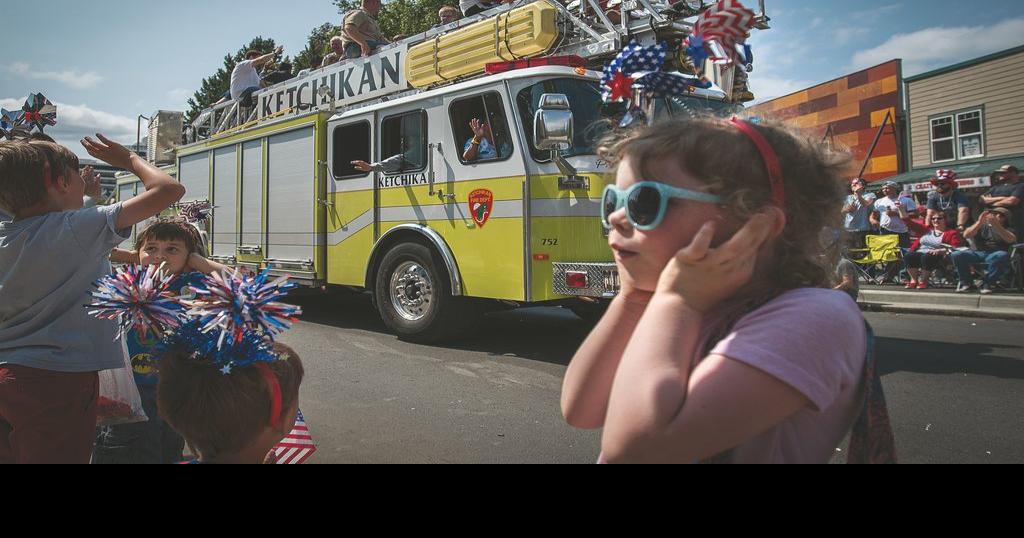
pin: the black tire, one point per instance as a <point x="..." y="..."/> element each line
<point x="443" y="317"/>
<point x="590" y="313"/>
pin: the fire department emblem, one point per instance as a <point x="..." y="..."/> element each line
<point x="481" y="205"/>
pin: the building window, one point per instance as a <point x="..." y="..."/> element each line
<point x="958" y="136"/>
<point x="406" y="135"/>
<point x="970" y="135"/>
<point x="942" y="140"/>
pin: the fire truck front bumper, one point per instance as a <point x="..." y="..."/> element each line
<point x="596" y="280"/>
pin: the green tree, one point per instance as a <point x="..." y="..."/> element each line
<point x="214" y="86"/>
<point x="409" y="17"/>
<point x="318" y="45"/>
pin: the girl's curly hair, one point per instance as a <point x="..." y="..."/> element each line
<point x="728" y="162"/>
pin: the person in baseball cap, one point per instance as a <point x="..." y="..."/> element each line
<point x="948" y="200"/>
<point x="993" y="238"/>
<point x="1007" y="192"/>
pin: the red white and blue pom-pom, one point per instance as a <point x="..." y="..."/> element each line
<point x="726" y="24"/>
<point x="233" y="306"/>
<point x="196" y="212"/>
<point x="226" y="356"/>
<point x="39" y="112"/>
<point x="138" y="298"/>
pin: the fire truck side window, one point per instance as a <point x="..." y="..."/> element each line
<point x="351" y="143"/>
<point x="405" y="135"/>
<point x="486" y="113"/>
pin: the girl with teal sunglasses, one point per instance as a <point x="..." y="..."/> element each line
<point x="726" y="343"/>
<point x="646" y="202"/>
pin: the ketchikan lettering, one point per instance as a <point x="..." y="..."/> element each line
<point x="407" y="180"/>
<point x="352" y="83"/>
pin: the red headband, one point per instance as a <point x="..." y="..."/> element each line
<point x="771" y="160"/>
<point x="275" y="393"/>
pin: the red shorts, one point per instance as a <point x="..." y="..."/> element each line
<point x="46" y="417"/>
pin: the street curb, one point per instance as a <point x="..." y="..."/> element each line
<point x="933" y="310"/>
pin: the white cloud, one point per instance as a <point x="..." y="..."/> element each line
<point x="933" y="48"/>
<point x="849" y="33"/>
<point x="73" y="79"/>
<point x="178" y="95"/>
<point x="75" y="122"/>
<point x="766" y="88"/>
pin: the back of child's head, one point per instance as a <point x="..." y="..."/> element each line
<point x="175" y="229"/>
<point x="24" y="167"/>
<point x="222" y="414"/>
<point x="723" y="157"/>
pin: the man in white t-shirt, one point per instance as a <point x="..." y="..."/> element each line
<point x="891" y="213"/>
<point x="245" y="79"/>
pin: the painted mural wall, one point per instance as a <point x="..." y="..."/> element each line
<point x="855" y="107"/>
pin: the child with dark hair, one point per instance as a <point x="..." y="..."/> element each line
<point x="224" y="385"/>
<point x="230" y="419"/>
<point x="725" y="343"/>
<point x="51" y="251"/>
<point x="174" y="246"/>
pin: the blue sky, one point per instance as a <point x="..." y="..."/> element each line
<point x="106" y="62"/>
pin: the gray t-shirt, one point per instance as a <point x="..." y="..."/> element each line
<point x="48" y="265"/>
<point x="847" y="268"/>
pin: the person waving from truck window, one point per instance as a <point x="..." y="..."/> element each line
<point x="245" y="80"/>
<point x="483" y="145"/>
<point x="391" y="165"/>
<point x="360" y="32"/>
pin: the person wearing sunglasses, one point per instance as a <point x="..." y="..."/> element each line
<point x="725" y="343"/>
<point x="931" y="251"/>
<point x="947" y="199"/>
<point x="857" y="213"/>
<point x="993" y="237"/>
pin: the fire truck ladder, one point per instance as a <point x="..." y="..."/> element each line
<point x="587" y="32"/>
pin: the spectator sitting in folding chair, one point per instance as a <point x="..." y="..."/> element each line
<point x="931" y="252"/>
<point x="993" y="239"/>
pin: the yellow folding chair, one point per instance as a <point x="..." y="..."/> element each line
<point x="881" y="251"/>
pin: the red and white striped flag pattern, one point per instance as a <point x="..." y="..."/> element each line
<point x="728" y="22"/>
<point x="297" y="447"/>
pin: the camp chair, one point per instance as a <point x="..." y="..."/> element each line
<point x="881" y="251"/>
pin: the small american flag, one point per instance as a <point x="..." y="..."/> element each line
<point x="297" y="447"/>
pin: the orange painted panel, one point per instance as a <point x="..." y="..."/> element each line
<point x="854" y="107"/>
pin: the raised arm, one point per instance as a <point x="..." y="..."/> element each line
<point x="205" y="266"/>
<point x="588" y="381"/>
<point x="162" y="191"/>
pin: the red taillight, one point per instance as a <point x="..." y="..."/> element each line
<point x="503" y="67"/>
<point x="576" y="280"/>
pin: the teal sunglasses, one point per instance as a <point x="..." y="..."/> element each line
<point x="647" y="202"/>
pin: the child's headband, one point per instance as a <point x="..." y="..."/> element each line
<point x="771" y="160"/>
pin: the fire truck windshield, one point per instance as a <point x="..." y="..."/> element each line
<point x="585" y="100"/>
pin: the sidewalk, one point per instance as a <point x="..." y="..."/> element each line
<point x="942" y="302"/>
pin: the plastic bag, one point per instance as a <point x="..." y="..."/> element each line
<point x="119" y="401"/>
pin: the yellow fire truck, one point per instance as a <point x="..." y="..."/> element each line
<point x="435" y="230"/>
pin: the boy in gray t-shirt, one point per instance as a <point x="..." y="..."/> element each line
<point x="50" y="255"/>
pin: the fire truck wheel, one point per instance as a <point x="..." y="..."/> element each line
<point x="590" y="313"/>
<point x="414" y="297"/>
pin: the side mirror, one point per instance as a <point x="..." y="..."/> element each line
<point x="553" y="123"/>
